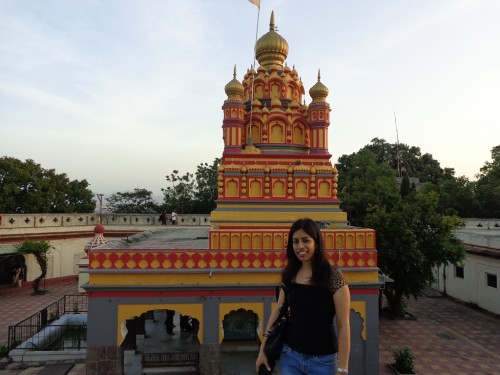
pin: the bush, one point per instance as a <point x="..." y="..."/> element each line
<point x="403" y="360"/>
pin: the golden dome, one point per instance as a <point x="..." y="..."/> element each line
<point x="234" y="89"/>
<point x="271" y="48"/>
<point x="318" y="92"/>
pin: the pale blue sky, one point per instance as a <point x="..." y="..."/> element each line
<point x="122" y="92"/>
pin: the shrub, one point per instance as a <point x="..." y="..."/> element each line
<point x="403" y="360"/>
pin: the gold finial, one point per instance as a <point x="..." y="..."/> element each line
<point x="319" y="75"/>
<point x="234" y="73"/>
<point x="271" y="23"/>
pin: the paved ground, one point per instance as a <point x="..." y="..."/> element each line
<point x="447" y="338"/>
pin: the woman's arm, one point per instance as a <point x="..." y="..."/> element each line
<point x="342" y="300"/>
<point x="262" y="359"/>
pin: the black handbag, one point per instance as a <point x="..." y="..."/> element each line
<point x="277" y="335"/>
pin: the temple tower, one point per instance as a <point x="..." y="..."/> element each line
<point x="276" y="165"/>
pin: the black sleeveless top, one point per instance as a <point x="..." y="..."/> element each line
<point x="312" y="312"/>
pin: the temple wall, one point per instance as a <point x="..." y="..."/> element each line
<point x="107" y="315"/>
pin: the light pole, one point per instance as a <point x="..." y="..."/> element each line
<point x="99" y="196"/>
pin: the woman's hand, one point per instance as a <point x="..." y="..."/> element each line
<point x="261" y="360"/>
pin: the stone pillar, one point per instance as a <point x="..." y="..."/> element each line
<point x="210" y="360"/>
<point x="104" y="360"/>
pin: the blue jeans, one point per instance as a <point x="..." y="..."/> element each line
<point x="295" y="363"/>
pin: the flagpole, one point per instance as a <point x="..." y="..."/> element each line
<point x="249" y="139"/>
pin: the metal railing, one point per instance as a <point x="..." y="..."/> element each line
<point x="29" y="327"/>
<point x="188" y="361"/>
<point x="54" y="337"/>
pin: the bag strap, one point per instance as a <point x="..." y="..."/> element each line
<point x="286" y="304"/>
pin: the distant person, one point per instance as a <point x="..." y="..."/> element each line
<point x="185" y="321"/>
<point x="163" y="218"/>
<point x="173" y="218"/>
<point x="17" y="277"/>
<point x="169" y="322"/>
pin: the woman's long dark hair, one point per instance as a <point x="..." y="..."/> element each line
<point x="321" y="268"/>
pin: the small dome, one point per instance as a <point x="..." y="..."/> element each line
<point x="318" y="92"/>
<point x="234" y="89"/>
<point x="99" y="228"/>
<point x="256" y="103"/>
<point x="275" y="103"/>
<point x="271" y="48"/>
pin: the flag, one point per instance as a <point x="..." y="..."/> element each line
<point x="256" y="2"/>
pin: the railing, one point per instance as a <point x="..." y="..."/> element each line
<point x="60" y="337"/>
<point x="41" y="220"/>
<point x="29" y="327"/>
<point x="183" y="361"/>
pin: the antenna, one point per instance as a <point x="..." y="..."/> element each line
<point x="398" y="155"/>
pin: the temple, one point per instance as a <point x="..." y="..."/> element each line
<point x="275" y="169"/>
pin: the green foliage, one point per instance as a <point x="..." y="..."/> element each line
<point x="26" y="187"/>
<point x="405" y="187"/>
<point x="4" y="351"/>
<point x="457" y="195"/>
<point x="39" y="249"/>
<point x="403" y="360"/>
<point x="140" y="201"/>
<point x="363" y="183"/>
<point x="412" y="240"/>
<point x="206" y="187"/>
<point x="413" y="237"/>
<point x="190" y="193"/>
<point x="488" y="186"/>
<point x="179" y="195"/>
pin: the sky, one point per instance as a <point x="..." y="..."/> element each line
<point x="122" y="92"/>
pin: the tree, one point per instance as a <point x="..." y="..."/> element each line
<point x="206" y="187"/>
<point x="180" y="194"/>
<point x="412" y="240"/>
<point x="406" y="160"/>
<point x="190" y="193"/>
<point x="140" y="201"/>
<point x="456" y="196"/>
<point x="413" y="237"/>
<point x="488" y="186"/>
<point x="39" y="249"/>
<point x="26" y="187"/>
<point x="363" y="183"/>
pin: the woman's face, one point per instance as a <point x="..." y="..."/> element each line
<point x="304" y="245"/>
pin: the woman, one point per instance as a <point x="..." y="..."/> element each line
<point x="317" y="292"/>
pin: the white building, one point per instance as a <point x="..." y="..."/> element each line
<point x="477" y="280"/>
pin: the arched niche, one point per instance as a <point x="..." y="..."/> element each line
<point x="239" y="325"/>
<point x="235" y="241"/>
<point x="298" y="134"/>
<point x="246" y="241"/>
<point x="301" y="189"/>
<point x="232" y="188"/>
<point x="324" y="190"/>
<point x="279" y="189"/>
<point x="224" y="241"/>
<point x="277" y="133"/>
<point x="256" y="133"/>
<point x="255" y="188"/>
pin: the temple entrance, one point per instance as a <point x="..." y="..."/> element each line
<point x="160" y="341"/>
